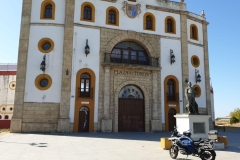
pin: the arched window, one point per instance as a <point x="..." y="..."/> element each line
<point x="85" y="81"/>
<point x="193" y="32"/>
<point x="170" y="25"/>
<point x="149" y="22"/>
<point x="87" y="12"/>
<point x="0" y="117"/>
<point x="48" y="10"/>
<point x="171" y="96"/>
<point x="129" y="52"/>
<point x="6" y="116"/>
<point x="131" y="92"/>
<point x="112" y="17"/>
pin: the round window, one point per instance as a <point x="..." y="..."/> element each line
<point x="45" y="45"/>
<point x="12" y="85"/>
<point x="11" y="109"/>
<point x="3" y="109"/>
<point x="195" y="61"/>
<point x="198" y="90"/>
<point x="43" y="82"/>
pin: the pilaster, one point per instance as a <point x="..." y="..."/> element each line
<point x="184" y="47"/>
<point x="207" y="72"/>
<point x="63" y="122"/>
<point x="16" y="122"/>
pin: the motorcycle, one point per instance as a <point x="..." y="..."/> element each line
<point x="184" y="144"/>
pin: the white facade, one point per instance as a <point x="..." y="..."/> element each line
<point x="67" y="59"/>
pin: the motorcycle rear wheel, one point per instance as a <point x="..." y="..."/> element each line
<point x="208" y="155"/>
<point x="173" y="151"/>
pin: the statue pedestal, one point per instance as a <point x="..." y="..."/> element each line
<point x="199" y="125"/>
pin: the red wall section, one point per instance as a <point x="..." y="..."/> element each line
<point x="5" y="124"/>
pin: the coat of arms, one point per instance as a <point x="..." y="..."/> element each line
<point x="132" y="10"/>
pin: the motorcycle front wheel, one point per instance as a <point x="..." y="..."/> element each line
<point x="208" y="155"/>
<point x="173" y="151"/>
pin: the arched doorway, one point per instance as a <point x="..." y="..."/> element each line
<point x="84" y="101"/>
<point x="171" y="100"/>
<point x="131" y="110"/>
<point x="83" y="125"/>
<point x="171" y="119"/>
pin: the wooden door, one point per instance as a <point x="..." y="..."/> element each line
<point x="83" y="125"/>
<point x="131" y="115"/>
<point x="171" y="119"/>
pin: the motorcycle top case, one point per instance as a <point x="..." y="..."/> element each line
<point x="185" y="141"/>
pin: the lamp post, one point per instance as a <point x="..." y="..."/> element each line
<point x="43" y="64"/>
<point x="172" y="57"/>
<point x="87" y="48"/>
<point x="197" y="76"/>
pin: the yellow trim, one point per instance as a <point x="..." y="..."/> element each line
<point x="44" y="4"/>
<point x="145" y="21"/>
<point x="88" y="4"/>
<point x="45" y="40"/>
<point x="173" y="25"/>
<point x="11" y="85"/>
<point x="117" y="15"/>
<point x="7" y="106"/>
<point x="167" y="107"/>
<point x="41" y="77"/>
<point x="198" y="90"/>
<point x="196" y="59"/>
<point x="193" y="26"/>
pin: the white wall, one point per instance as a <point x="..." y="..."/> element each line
<point x="6" y="95"/>
<point x="80" y="61"/>
<point x="126" y="23"/>
<point x="167" y="69"/>
<point x="198" y="51"/>
<point x="53" y="64"/>
<point x="59" y="12"/>
<point x="200" y="31"/>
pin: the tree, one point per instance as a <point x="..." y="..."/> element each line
<point x="233" y="120"/>
<point x="236" y="114"/>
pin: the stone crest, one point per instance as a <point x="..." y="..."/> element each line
<point x="132" y="10"/>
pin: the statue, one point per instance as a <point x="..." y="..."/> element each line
<point x="190" y="94"/>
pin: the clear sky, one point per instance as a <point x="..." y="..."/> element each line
<point x="223" y="36"/>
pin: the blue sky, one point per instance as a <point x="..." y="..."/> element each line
<point x="223" y="36"/>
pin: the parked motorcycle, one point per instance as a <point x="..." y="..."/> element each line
<point x="184" y="144"/>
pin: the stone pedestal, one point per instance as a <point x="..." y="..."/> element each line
<point x="16" y="126"/>
<point x="198" y="124"/>
<point x="106" y="125"/>
<point x="63" y="125"/>
<point x="156" y="126"/>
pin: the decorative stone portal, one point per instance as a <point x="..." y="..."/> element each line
<point x="131" y="110"/>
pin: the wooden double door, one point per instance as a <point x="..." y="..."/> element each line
<point x="131" y="115"/>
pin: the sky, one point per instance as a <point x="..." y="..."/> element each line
<point x="223" y="42"/>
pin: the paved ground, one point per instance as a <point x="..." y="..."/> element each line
<point x="98" y="146"/>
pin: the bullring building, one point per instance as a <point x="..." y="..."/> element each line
<point x="108" y="65"/>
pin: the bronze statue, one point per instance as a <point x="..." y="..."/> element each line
<point x="190" y="93"/>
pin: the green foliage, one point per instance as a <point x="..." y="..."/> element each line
<point x="235" y="113"/>
<point x="233" y="120"/>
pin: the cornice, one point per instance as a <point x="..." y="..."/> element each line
<point x="113" y="1"/>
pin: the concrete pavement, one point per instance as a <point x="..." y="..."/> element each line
<point x="98" y="146"/>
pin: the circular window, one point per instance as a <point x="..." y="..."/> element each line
<point x="43" y="82"/>
<point x="11" y="109"/>
<point x="12" y="85"/>
<point x="198" y="90"/>
<point x="195" y="61"/>
<point x="45" y="45"/>
<point x="3" y="109"/>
